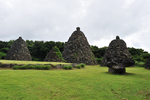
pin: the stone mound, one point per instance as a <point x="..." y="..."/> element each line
<point x="19" y="51"/>
<point x="54" y="55"/>
<point x="77" y="49"/>
<point x="117" y="56"/>
<point x="147" y="65"/>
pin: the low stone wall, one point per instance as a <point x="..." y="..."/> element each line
<point x="58" y="66"/>
<point x="12" y="65"/>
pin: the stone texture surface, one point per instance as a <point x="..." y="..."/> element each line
<point x="52" y="56"/>
<point x="117" y="57"/>
<point x="12" y="65"/>
<point x="74" y="64"/>
<point x="59" y="66"/>
<point x="19" y="51"/>
<point x="147" y="65"/>
<point x="77" y="49"/>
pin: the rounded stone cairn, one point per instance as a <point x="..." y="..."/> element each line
<point x="19" y="51"/>
<point x="147" y="65"/>
<point x="77" y="49"/>
<point x="117" y="57"/>
<point x="54" y="55"/>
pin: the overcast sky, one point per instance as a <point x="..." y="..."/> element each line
<point x="55" y="20"/>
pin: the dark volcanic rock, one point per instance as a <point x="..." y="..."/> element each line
<point x="117" y="57"/>
<point x="54" y="55"/>
<point x="19" y="51"/>
<point x="59" y="66"/>
<point x="77" y="49"/>
<point x="147" y="65"/>
<point x="74" y="65"/>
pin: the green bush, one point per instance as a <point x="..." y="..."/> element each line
<point x="46" y="67"/>
<point x="42" y="67"/>
<point x="4" y="50"/>
<point x="70" y="67"/>
<point x="99" y="60"/>
<point x="78" y="66"/>
<point x="38" y="66"/>
<point x="23" y="67"/>
<point x="35" y="59"/>
<point x="67" y="67"/>
<point x="82" y="65"/>
<point x="2" y="55"/>
<point x="58" y="53"/>
<point x="139" y="64"/>
<point x="16" y="67"/>
<point x="31" y="67"/>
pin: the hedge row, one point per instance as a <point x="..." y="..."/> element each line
<point x="40" y="67"/>
<point x="82" y="65"/>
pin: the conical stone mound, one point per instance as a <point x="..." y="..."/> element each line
<point x="117" y="56"/>
<point x="147" y="65"/>
<point x="19" y="51"/>
<point x="54" y="55"/>
<point x="77" y="49"/>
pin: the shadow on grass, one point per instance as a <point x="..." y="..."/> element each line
<point x="126" y="74"/>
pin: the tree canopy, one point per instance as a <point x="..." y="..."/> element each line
<point x="39" y="50"/>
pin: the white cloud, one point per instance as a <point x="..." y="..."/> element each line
<point x="139" y="40"/>
<point x="100" y="20"/>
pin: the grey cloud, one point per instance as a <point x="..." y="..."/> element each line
<point x="56" y="19"/>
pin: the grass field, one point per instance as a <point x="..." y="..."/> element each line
<point x="29" y="62"/>
<point x="89" y="83"/>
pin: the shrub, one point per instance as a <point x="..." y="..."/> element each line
<point x="38" y="66"/>
<point x="137" y="58"/>
<point x="70" y="67"/>
<point x="31" y="67"/>
<point x="4" y="50"/>
<point x="46" y="67"/>
<point x="82" y="65"/>
<point x="23" y="67"/>
<point x="99" y="60"/>
<point x="139" y="64"/>
<point x="35" y="59"/>
<point x="67" y="67"/>
<point x="2" y="55"/>
<point x="16" y="67"/>
<point x="58" y="53"/>
<point x="78" y="66"/>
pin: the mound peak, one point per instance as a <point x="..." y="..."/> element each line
<point x="77" y="49"/>
<point x="54" y="55"/>
<point x="117" y="56"/>
<point x="19" y="51"/>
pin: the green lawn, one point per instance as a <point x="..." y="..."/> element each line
<point x="89" y="83"/>
<point x="29" y="62"/>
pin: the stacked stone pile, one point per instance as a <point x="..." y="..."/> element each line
<point x="117" y="57"/>
<point x="54" y="55"/>
<point x="19" y="51"/>
<point x="77" y="49"/>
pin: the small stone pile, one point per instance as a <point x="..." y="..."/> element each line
<point x="54" y="55"/>
<point x="77" y="49"/>
<point x="117" y="57"/>
<point x="19" y="51"/>
<point x="147" y="65"/>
